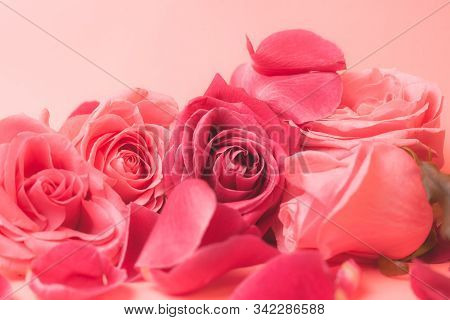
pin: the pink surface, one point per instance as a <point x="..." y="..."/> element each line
<point x="175" y="47"/>
<point x="373" y="285"/>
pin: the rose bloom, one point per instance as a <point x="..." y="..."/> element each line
<point x="363" y="200"/>
<point x="384" y="105"/>
<point x="50" y="194"/>
<point x="231" y="141"/>
<point x="125" y="138"/>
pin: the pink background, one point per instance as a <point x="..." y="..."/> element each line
<point x="175" y="47"/>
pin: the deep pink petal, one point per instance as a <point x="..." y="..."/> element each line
<point x="295" y="51"/>
<point x="5" y="288"/>
<point x="74" y="270"/>
<point x="142" y="221"/>
<point x="180" y="229"/>
<point x="428" y="284"/>
<point x="225" y="223"/>
<point x="299" y="276"/>
<point x="300" y="98"/>
<point x="210" y="262"/>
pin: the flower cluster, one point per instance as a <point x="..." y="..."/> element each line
<point x="295" y="163"/>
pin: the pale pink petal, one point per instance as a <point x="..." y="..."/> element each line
<point x="299" y="276"/>
<point x="182" y="225"/>
<point x="348" y="279"/>
<point x="391" y="221"/>
<point x="85" y="108"/>
<point x="210" y="262"/>
<point x="300" y="98"/>
<point x="73" y="270"/>
<point x="295" y="51"/>
<point x="428" y="284"/>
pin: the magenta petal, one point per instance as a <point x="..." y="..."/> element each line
<point x="5" y="288"/>
<point x="295" y="51"/>
<point x="180" y="229"/>
<point x="74" y="270"/>
<point x="299" y="276"/>
<point x="225" y="223"/>
<point x="212" y="261"/>
<point x="142" y="221"/>
<point x="428" y="284"/>
<point x="300" y="98"/>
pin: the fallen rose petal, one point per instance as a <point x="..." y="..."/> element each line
<point x="73" y="270"/>
<point x="5" y="288"/>
<point x="428" y="284"/>
<point x="210" y="262"/>
<point x="300" y="98"/>
<point x="348" y="279"/>
<point x="299" y="276"/>
<point x="295" y="51"/>
<point x="180" y="229"/>
<point x="142" y="221"/>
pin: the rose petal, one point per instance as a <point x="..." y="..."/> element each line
<point x="428" y="284"/>
<point x="348" y="279"/>
<point x="180" y="229"/>
<point x="300" y="98"/>
<point x="299" y="276"/>
<point x="85" y="108"/>
<point x="5" y="288"/>
<point x="225" y="223"/>
<point x="295" y="51"/>
<point x="142" y="221"/>
<point x="10" y="127"/>
<point x="210" y="262"/>
<point x="73" y="270"/>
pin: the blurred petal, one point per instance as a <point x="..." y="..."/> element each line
<point x="85" y="108"/>
<point x="299" y="276"/>
<point x="300" y="98"/>
<point x="210" y="262"/>
<point x="348" y="279"/>
<point x="428" y="284"/>
<point x="182" y="225"/>
<point x="5" y="288"/>
<point x="295" y="51"/>
<point x="73" y="270"/>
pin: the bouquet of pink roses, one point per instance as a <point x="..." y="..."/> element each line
<point x="297" y="164"/>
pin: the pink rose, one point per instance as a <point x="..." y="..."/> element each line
<point x="365" y="200"/>
<point x="384" y="105"/>
<point x="125" y="138"/>
<point x="294" y="71"/>
<point x="49" y="194"/>
<point x="233" y="142"/>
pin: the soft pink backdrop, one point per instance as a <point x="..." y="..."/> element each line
<point x="175" y="47"/>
